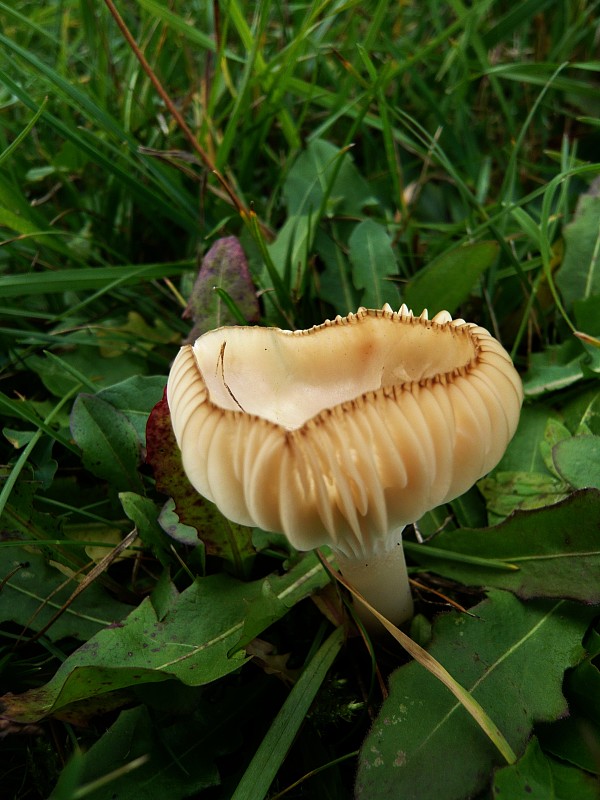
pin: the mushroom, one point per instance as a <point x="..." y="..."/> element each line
<point x="344" y="433"/>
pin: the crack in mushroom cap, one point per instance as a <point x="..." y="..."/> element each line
<point x="345" y="432"/>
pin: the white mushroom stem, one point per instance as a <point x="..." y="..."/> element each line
<point x="382" y="580"/>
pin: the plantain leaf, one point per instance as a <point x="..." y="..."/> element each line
<point x="512" y="657"/>
<point x="194" y="640"/>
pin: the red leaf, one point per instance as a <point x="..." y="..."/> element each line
<point x="221" y="537"/>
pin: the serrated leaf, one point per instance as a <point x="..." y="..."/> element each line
<point x="448" y="280"/>
<point x="556" y="550"/>
<point x="196" y="640"/>
<point x="109" y="444"/>
<point x="373" y="264"/>
<point x="424" y="745"/>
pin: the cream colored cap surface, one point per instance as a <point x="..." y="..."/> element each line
<point x="342" y="433"/>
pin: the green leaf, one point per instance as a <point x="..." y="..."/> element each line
<point x="583" y="685"/>
<point x="279" y="593"/>
<point x="195" y="640"/>
<point x="324" y="173"/>
<point x="523" y="453"/>
<point x="575" y="739"/>
<point x="555" y="368"/>
<point x="424" y="744"/>
<point x="554" y="433"/>
<point x="448" y="280"/>
<point x="373" y="262"/>
<point x="108" y="441"/>
<point x="582" y="413"/>
<point x="33" y="591"/>
<point x="335" y="282"/>
<point x="587" y="314"/>
<point x="144" y="514"/>
<point x="513" y="19"/>
<point x="506" y="492"/>
<point x="290" y="249"/>
<point x="26" y="228"/>
<point x="579" y="273"/>
<point x="577" y="460"/>
<point x="322" y="181"/>
<point x="21" y="519"/>
<point x="170" y="523"/>
<point x="556" y="550"/>
<point x="83" y="365"/>
<point x="136" y="756"/>
<point x="135" y="397"/>
<point x="539" y="777"/>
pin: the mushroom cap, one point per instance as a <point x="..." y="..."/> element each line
<point x="342" y="433"/>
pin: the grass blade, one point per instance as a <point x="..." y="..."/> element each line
<point x="274" y="747"/>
